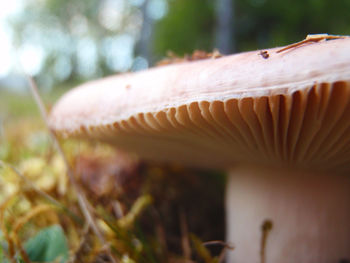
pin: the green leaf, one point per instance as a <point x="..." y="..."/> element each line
<point x="48" y="245"/>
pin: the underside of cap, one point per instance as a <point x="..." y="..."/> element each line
<point x="291" y="108"/>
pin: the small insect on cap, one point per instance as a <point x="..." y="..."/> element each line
<point x="286" y="108"/>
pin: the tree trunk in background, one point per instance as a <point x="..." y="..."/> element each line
<point x="224" y="33"/>
<point x="144" y="46"/>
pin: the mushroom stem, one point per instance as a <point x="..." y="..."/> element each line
<point x="309" y="216"/>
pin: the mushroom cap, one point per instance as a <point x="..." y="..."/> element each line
<point x="290" y="108"/>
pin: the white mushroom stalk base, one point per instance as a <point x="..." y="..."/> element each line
<point x="306" y="216"/>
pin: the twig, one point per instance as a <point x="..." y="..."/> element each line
<point x="312" y="38"/>
<point x="223" y="251"/>
<point x="218" y="242"/>
<point x="83" y="203"/>
<point x="201" y="250"/>
<point x="185" y="240"/>
<point x="139" y="205"/>
<point x="41" y="192"/>
<point x="82" y="242"/>
<point x="11" y="248"/>
<point x="20" y="222"/>
<point x="160" y="234"/>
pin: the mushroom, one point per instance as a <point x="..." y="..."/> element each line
<point x="278" y="123"/>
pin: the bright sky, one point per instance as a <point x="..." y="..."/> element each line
<point x="7" y="8"/>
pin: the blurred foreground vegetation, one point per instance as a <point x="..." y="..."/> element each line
<point x="147" y="212"/>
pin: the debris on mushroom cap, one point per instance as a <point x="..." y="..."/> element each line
<point x="196" y="55"/>
<point x="291" y="109"/>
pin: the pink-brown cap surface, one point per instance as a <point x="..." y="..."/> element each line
<point x="288" y="108"/>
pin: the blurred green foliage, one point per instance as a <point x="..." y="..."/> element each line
<point x="269" y="23"/>
<point x="190" y="24"/>
<point x="14" y="105"/>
